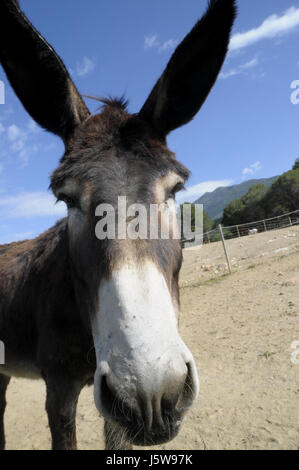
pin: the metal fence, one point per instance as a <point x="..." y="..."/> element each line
<point x="251" y="228"/>
<point x="245" y="244"/>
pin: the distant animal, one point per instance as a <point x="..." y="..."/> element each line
<point x="77" y="310"/>
<point x="253" y="231"/>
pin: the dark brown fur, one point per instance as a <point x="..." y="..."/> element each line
<point x="49" y="286"/>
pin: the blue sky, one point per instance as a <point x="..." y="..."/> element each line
<point x="247" y="128"/>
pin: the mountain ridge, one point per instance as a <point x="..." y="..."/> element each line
<point x="214" y="202"/>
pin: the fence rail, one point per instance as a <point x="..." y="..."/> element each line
<point x="224" y="233"/>
<point x="251" y="228"/>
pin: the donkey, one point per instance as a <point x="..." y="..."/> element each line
<point x="77" y="310"/>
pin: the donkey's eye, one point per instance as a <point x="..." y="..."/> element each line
<point x="69" y="200"/>
<point x="178" y="187"/>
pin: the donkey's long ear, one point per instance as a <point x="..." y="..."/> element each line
<point x="192" y="70"/>
<point x="37" y="74"/>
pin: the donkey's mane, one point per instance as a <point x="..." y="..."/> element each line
<point x="113" y="102"/>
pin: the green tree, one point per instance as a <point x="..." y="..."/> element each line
<point x="262" y="203"/>
<point x="232" y="212"/>
<point x="283" y="196"/>
<point x="253" y="201"/>
<point x="296" y="164"/>
<point x="208" y="224"/>
<point x="246" y="209"/>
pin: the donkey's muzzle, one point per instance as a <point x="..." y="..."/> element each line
<point x="149" y="417"/>
<point x="146" y="376"/>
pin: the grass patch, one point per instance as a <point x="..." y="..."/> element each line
<point x="267" y="354"/>
<point x="252" y="266"/>
<point x="206" y="282"/>
<point x="216" y="279"/>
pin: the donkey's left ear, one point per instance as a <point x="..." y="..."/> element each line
<point x="37" y="74"/>
<point x="192" y="70"/>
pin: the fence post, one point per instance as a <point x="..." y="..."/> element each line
<point x="225" y="250"/>
<point x="238" y="231"/>
<point x="290" y="222"/>
<point x="265" y="225"/>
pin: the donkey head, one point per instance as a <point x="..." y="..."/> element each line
<point x="127" y="289"/>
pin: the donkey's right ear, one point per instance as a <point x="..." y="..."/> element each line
<point x="37" y="75"/>
<point x="192" y="70"/>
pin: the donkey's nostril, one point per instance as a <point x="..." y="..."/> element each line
<point x="150" y="414"/>
<point x="108" y="396"/>
<point x="188" y="391"/>
<point x="115" y="404"/>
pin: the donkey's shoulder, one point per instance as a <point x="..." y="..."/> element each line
<point x="11" y="252"/>
<point x="16" y="257"/>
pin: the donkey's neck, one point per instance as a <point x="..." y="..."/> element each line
<point x="42" y="263"/>
<point x="51" y="270"/>
<point x="46" y="253"/>
<point x="38" y="301"/>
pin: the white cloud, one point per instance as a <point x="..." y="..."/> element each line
<point x="273" y="26"/>
<point x="19" y="141"/>
<point x="252" y="169"/>
<point x="256" y="166"/>
<point x="230" y="73"/>
<point x="33" y="127"/>
<point x="168" y="45"/>
<point x="30" y="204"/>
<point x="18" y="145"/>
<point x="194" y="192"/>
<point x="240" y="69"/>
<point x="151" y="41"/>
<point x="249" y="65"/>
<point x="13" y="133"/>
<point x="85" y="66"/>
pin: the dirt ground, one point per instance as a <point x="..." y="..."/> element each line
<point x="240" y="328"/>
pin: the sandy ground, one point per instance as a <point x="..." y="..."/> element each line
<point x="240" y="329"/>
